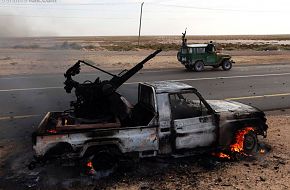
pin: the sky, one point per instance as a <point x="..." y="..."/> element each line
<point x="160" y="17"/>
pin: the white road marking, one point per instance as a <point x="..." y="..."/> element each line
<point x="225" y="77"/>
<point x="17" y="117"/>
<point x="232" y="77"/>
<point x="27" y="89"/>
<point x="236" y="98"/>
<point x="83" y="74"/>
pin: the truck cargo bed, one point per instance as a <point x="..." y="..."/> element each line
<point x="57" y="122"/>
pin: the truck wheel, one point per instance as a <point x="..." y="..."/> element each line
<point x="226" y="65"/>
<point x="102" y="160"/>
<point x="250" y="143"/>
<point x="178" y="56"/>
<point x="188" y="67"/>
<point x="198" y="66"/>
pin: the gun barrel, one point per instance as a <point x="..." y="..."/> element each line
<point x="118" y="81"/>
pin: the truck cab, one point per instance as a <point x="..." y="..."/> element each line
<point x="184" y="118"/>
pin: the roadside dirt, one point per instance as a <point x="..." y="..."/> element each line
<point x="5" y="150"/>
<point x="38" y="61"/>
<point x="269" y="170"/>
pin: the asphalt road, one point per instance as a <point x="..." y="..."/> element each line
<point x="25" y="99"/>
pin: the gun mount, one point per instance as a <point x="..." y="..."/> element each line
<point x="98" y="101"/>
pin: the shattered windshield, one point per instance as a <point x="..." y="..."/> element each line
<point x="186" y="105"/>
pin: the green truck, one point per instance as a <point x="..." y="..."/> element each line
<point x="197" y="56"/>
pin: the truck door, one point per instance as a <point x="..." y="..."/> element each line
<point x="192" y="123"/>
<point x="211" y="56"/>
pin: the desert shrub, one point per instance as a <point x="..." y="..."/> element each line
<point x="120" y="47"/>
<point x="267" y="47"/>
<point x="32" y="46"/>
<point x="73" y="45"/>
<point x="164" y="47"/>
<point x="148" y="46"/>
<point x="6" y="58"/>
<point x="285" y="47"/>
<point x="89" y="47"/>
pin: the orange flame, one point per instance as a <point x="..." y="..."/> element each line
<point x="262" y="151"/>
<point x="239" y="143"/>
<point x="90" y="164"/>
<point x="51" y="131"/>
<point x="90" y="168"/>
<point x="221" y="155"/>
<point x="238" y="146"/>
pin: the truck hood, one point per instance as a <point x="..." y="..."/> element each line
<point x="230" y="106"/>
<point x="223" y="55"/>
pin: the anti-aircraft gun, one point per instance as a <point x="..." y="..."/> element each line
<point x="98" y="101"/>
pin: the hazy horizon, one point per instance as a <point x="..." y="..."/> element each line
<point x="175" y="35"/>
<point x="56" y="18"/>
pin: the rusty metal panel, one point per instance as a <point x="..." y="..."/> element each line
<point x="194" y="132"/>
<point x="139" y="139"/>
<point x="44" y="143"/>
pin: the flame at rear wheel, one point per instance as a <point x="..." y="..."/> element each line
<point x="101" y="162"/>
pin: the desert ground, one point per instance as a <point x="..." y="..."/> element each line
<point x="268" y="170"/>
<point x="55" y="55"/>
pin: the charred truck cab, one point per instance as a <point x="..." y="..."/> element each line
<point x="197" y="56"/>
<point x="169" y="119"/>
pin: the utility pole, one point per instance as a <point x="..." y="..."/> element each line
<point x="140" y="22"/>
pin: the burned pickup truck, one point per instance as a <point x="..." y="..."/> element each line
<point x="170" y="119"/>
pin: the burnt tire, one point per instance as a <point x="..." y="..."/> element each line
<point x="250" y="143"/>
<point x="198" y="66"/>
<point x="104" y="161"/>
<point x="227" y="65"/>
<point x="32" y="165"/>
<point x="178" y="56"/>
<point x="100" y="161"/>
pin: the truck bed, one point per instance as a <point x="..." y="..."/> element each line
<point x="55" y="122"/>
<point x="53" y="131"/>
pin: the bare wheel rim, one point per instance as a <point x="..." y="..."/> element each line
<point x="227" y="65"/>
<point x="199" y="66"/>
<point x="249" y="142"/>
